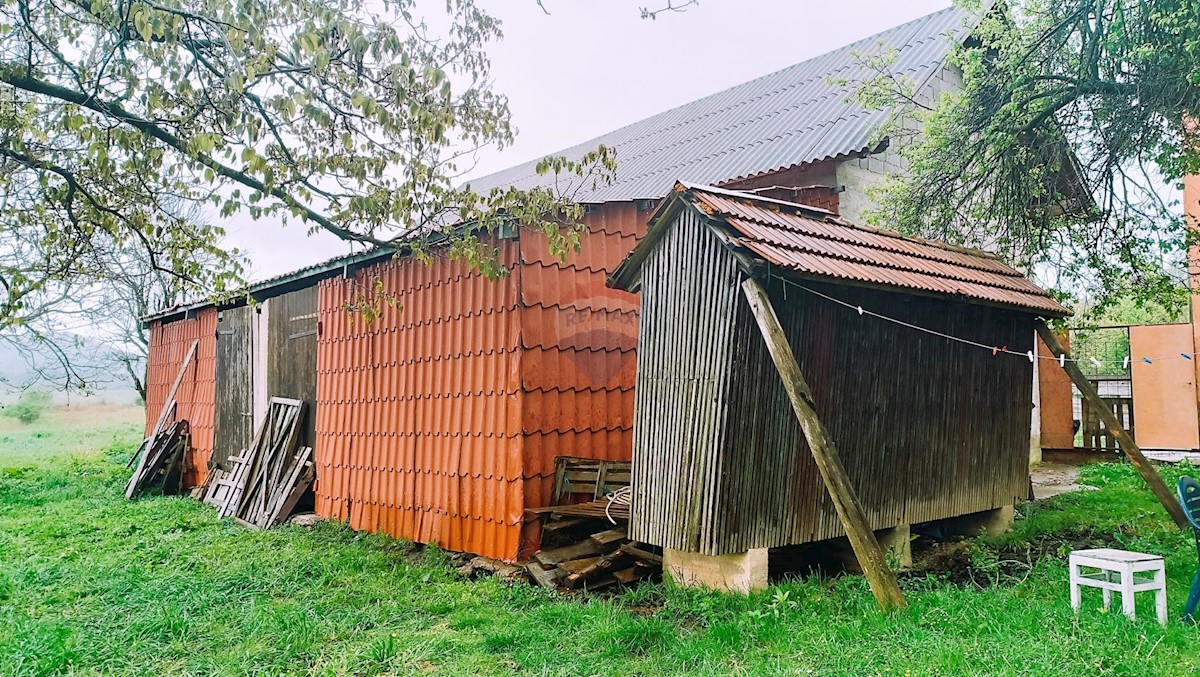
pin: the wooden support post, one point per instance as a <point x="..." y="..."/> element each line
<point x="1157" y="485"/>
<point x="866" y="548"/>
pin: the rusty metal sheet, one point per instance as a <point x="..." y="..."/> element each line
<point x="169" y="344"/>
<point x="807" y="242"/>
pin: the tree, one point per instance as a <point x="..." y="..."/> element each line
<point x="1060" y="150"/>
<point x="351" y="116"/>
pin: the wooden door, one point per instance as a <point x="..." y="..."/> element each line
<point x="292" y="353"/>
<point x="234" y="422"/>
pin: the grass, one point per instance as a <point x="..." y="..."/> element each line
<point x="92" y="584"/>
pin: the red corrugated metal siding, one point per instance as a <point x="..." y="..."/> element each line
<point x="419" y="413"/>
<point x="169" y="344"/>
<point x="579" y="339"/>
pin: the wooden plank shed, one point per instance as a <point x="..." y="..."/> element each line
<point x="928" y="428"/>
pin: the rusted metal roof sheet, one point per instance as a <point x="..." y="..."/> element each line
<point x="815" y="243"/>
<point x="196" y="396"/>
<point x="800" y="114"/>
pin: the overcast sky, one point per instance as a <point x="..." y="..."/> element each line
<point x="592" y="66"/>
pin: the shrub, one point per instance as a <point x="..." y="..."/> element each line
<point x="29" y="407"/>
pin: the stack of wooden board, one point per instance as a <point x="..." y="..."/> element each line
<point x="161" y="462"/>
<point x="590" y="553"/>
<point x="268" y="478"/>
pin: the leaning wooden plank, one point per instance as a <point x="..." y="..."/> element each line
<point x="845" y="500"/>
<point x="642" y="555"/>
<point x="168" y="405"/>
<point x="542" y="576"/>
<point x="289" y="494"/>
<point x="567" y="552"/>
<point x="1131" y="449"/>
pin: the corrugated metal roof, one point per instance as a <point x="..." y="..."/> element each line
<point x="816" y="243"/>
<point x="800" y="114"/>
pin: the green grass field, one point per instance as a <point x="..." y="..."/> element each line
<point x="92" y="584"/>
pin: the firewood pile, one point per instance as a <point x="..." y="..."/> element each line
<point x="269" y="477"/>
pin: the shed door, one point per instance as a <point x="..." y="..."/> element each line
<point x="292" y="353"/>
<point x="234" y="388"/>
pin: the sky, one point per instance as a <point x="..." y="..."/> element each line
<point x="592" y="66"/>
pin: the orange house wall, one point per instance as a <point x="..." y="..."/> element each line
<point x="1055" y="404"/>
<point x="1163" y="390"/>
<point x="169" y="344"/>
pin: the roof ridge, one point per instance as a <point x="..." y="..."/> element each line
<point x="901" y="37"/>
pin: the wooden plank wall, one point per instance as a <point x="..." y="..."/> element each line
<point x="689" y="293"/>
<point x="234" y="423"/>
<point x="926" y="428"/>
<point x="292" y="353"/>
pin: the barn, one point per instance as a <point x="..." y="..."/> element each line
<point x="440" y="421"/>
<point x="928" y="427"/>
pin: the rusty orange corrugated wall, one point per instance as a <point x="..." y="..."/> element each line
<point x="579" y="339"/>
<point x="418" y="413"/>
<point x="196" y="396"/>
<point x="439" y="422"/>
<point x="1056" y="400"/>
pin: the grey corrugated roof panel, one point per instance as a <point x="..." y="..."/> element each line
<point x="786" y="118"/>
<point x="279" y="284"/>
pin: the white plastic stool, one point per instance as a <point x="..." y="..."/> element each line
<point x="1122" y="571"/>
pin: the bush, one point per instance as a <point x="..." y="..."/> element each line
<point x="29" y="407"/>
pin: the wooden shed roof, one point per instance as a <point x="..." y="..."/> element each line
<point x="813" y="243"/>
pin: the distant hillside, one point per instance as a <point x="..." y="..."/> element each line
<point x="16" y="372"/>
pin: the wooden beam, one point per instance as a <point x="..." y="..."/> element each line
<point x="854" y="519"/>
<point x="1139" y="461"/>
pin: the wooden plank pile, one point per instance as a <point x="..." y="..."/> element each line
<point x="591" y="554"/>
<point x="586" y="545"/>
<point x="164" y="451"/>
<point x="161" y="462"/>
<point x="268" y="478"/>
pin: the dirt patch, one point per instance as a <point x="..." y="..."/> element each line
<point x="970" y="562"/>
<point x="1052" y="479"/>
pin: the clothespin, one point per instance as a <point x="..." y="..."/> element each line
<point x="1125" y="364"/>
<point x="1029" y="354"/>
<point x="1186" y="356"/>
<point x="1062" y="359"/>
<point x="1097" y="363"/>
<point x="995" y="349"/>
<point x="1147" y="360"/>
<point x="860" y="310"/>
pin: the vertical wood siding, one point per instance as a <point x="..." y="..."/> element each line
<point x="169" y="344"/>
<point x="234" y="424"/>
<point x="292" y="353"/>
<point x="689" y="294"/>
<point x="926" y="428"/>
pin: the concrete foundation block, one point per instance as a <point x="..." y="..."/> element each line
<point x="742" y="573"/>
<point x="996" y="521"/>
